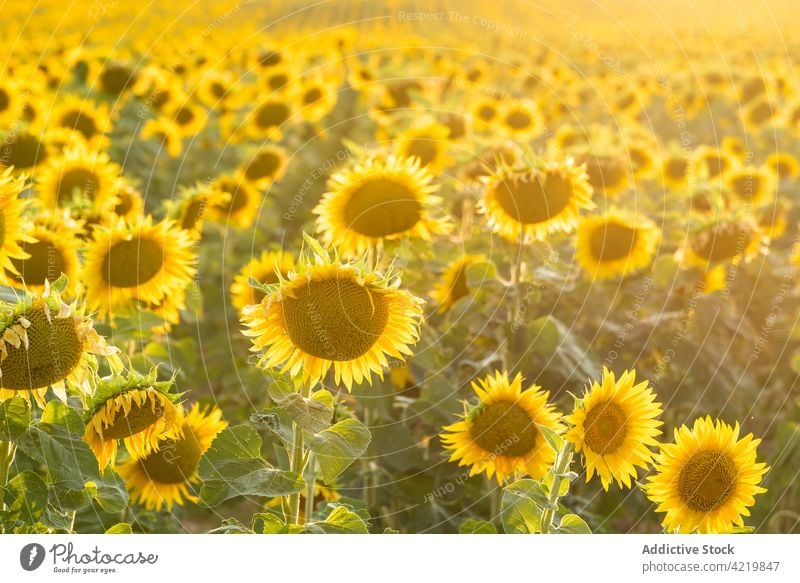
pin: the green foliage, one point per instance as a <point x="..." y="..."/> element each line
<point x="338" y="447"/>
<point x="233" y="466"/>
<point x="15" y="416"/>
<point x="312" y="414"/>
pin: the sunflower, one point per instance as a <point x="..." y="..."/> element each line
<point x="454" y="285"/>
<point x="238" y="201"/>
<point x="134" y="408"/>
<point x="711" y="162"/>
<point x="613" y="425"/>
<point x="317" y="97"/>
<point x="751" y="184"/>
<point x="608" y="174"/>
<point x="164" y="477"/>
<point x="264" y="270"/>
<point x="113" y="77"/>
<point x="520" y="120"/>
<point x="166" y="133"/>
<point x="500" y="435"/>
<point x="783" y="164"/>
<point x="269" y="118"/>
<point x="11" y="208"/>
<point x="535" y="202"/>
<point x="187" y="118"/>
<point x="129" y="261"/>
<point x="707" y="479"/>
<point x="78" y="179"/>
<point x="428" y="142"/>
<point x="265" y="166"/>
<point x="333" y="314"/>
<point x="616" y="244"/>
<point x="378" y="200"/>
<point x="130" y="204"/>
<point x="640" y="154"/>
<point x="84" y="117"/>
<point x="23" y="150"/>
<point x="47" y="343"/>
<point x="674" y="171"/>
<point x="52" y="250"/>
<point x="193" y="204"/>
<point x="723" y="241"/>
<point x="12" y="102"/>
<point x="485" y="110"/>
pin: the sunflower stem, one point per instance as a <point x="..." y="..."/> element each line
<point x="563" y="461"/>
<point x="513" y="306"/>
<point x="310" y="481"/>
<point x="298" y="459"/>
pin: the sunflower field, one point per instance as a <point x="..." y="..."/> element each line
<point x="399" y="267"/>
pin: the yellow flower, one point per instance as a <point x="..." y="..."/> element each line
<point x="378" y="200"/>
<point x="500" y="435"/>
<point x="166" y="133"/>
<point x="78" y="179"/>
<point x="263" y="269"/>
<point x="11" y="208"/>
<point x="23" y="150"/>
<point x="336" y="315"/>
<point x="164" y="478"/>
<point x="135" y="409"/>
<point x="89" y="120"/>
<point x="751" y="184"/>
<point x="726" y="240"/>
<point x="265" y="166"/>
<point x="239" y="202"/>
<point x="608" y="174"/>
<point x="674" y="171"/>
<point x="454" y="285"/>
<point x="428" y="142"/>
<point x="186" y="117"/>
<point x="126" y="262"/>
<point x="783" y="164"/>
<point x="707" y="479"/>
<point x="616" y="244"/>
<point x="269" y="118"/>
<point x="614" y="426"/>
<point x="534" y="203"/>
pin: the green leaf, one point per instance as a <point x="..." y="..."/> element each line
<point x="338" y="447"/>
<point x="573" y="524"/>
<point x="341" y="520"/>
<point x="58" y="413"/>
<point x="313" y="415"/>
<point x="553" y="438"/>
<point x="472" y="526"/>
<point x="120" y="528"/>
<point x="233" y="467"/>
<point x="70" y="466"/>
<point x="521" y="508"/>
<point x="25" y="495"/>
<point x="231" y="526"/>
<point x="15" y="416"/>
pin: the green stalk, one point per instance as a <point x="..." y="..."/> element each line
<point x="310" y="481"/>
<point x="297" y="461"/>
<point x="7" y="451"/>
<point x="563" y="460"/>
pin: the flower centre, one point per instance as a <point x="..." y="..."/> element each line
<point x="534" y="198"/>
<point x="722" y="242"/>
<point x="54" y="350"/>
<point x="676" y="168"/>
<point x="139" y="418"/>
<point x="79" y="121"/>
<point x="132" y="263"/>
<point x="335" y="319"/>
<point x="46" y="263"/>
<point x="504" y="428"/>
<point x="175" y="461"/>
<point x="612" y="241"/>
<point x="381" y="207"/>
<point x="423" y="148"/>
<point x="115" y="78"/>
<point x="312" y="96"/>
<point x="518" y="120"/>
<point x="23" y="150"/>
<point x="271" y="115"/>
<point x="707" y="480"/>
<point x="606" y="427"/>
<point x="605" y="172"/>
<point x="263" y="165"/>
<point x="76" y="183"/>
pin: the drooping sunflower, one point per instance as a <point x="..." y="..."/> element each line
<point x="238" y="203"/>
<point x="47" y="343"/>
<point x="608" y="174"/>
<point x="755" y="185"/>
<point x="377" y="200"/>
<point x="134" y="408"/>
<point x="428" y="142"/>
<point x="11" y="208"/>
<point x="722" y="241"/>
<point x="130" y="261"/>
<point x="52" y="251"/>
<point x="616" y="244"/>
<point x="500" y="436"/>
<point x="130" y="203"/>
<point x="78" y="179"/>
<point x="328" y="314"/>
<point x="263" y="269"/>
<point x="614" y="425"/>
<point x="710" y="162"/>
<point x="674" y="171"/>
<point x="454" y="284"/>
<point x="164" y="478"/>
<point x="193" y="204"/>
<point x="707" y="479"/>
<point x="532" y="203"/>
<point x="317" y="97"/>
